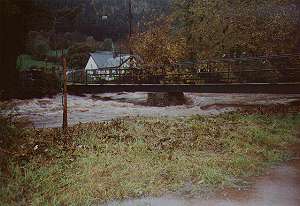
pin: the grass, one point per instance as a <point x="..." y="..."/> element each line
<point x="136" y="157"/>
<point x="59" y="52"/>
<point x="26" y="61"/>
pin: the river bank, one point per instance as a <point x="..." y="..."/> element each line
<point x="135" y="157"/>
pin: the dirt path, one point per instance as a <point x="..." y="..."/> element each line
<point x="281" y="186"/>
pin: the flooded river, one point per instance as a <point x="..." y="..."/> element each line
<point x="47" y="112"/>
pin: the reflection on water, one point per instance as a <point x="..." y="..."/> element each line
<point x="47" y="112"/>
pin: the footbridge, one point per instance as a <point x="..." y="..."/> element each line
<point x="264" y="74"/>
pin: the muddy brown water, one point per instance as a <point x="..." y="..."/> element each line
<point x="47" y="112"/>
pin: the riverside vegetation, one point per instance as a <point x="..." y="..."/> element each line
<point x="132" y="157"/>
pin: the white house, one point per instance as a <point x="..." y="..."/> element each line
<point x="102" y="62"/>
<point x="106" y="59"/>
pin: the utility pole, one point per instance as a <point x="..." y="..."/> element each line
<point x="130" y="22"/>
<point x="65" y="95"/>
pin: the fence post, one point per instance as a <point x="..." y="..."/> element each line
<point x="65" y="96"/>
<point x="132" y="78"/>
<point x="81" y="76"/>
<point x="86" y="77"/>
<point x="73" y="75"/>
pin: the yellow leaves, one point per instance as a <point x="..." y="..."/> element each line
<point x="218" y="26"/>
<point x="209" y="29"/>
<point x="158" y="45"/>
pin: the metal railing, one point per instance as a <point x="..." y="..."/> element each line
<point x="267" y="69"/>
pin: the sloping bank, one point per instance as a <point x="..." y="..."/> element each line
<point x="136" y="157"/>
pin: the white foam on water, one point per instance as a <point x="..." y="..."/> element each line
<point x="47" y="112"/>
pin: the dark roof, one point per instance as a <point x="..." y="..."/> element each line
<point x="105" y="59"/>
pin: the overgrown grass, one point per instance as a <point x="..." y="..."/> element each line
<point x="142" y="156"/>
<point x="25" y="62"/>
<point x="53" y="53"/>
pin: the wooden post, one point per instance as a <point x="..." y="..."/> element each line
<point x="65" y="98"/>
<point x="82" y="76"/>
<point x="86" y="77"/>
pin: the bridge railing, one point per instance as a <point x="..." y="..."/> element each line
<point x="284" y="68"/>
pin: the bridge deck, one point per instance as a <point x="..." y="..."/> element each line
<point x="270" y="88"/>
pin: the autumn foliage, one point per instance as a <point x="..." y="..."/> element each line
<point x="211" y="29"/>
<point x="217" y="27"/>
<point x="159" y="44"/>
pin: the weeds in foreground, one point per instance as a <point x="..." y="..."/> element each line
<point x="141" y="156"/>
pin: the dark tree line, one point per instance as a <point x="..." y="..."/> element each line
<point x="85" y="16"/>
<point x="17" y="17"/>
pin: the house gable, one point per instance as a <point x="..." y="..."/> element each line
<point x="101" y="60"/>
<point x="91" y="65"/>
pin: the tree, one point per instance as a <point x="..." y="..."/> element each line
<point x="37" y="45"/>
<point x="78" y="55"/>
<point x="17" y="17"/>
<point x="40" y="49"/>
<point x="158" y="45"/>
<point x="91" y="42"/>
<point x="107" y="45"/>
<point x="217" y="27"/>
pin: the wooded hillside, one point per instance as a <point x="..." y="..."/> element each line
<point x="85" y="16"/>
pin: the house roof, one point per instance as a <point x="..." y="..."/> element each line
<point x="105" y="59"/>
